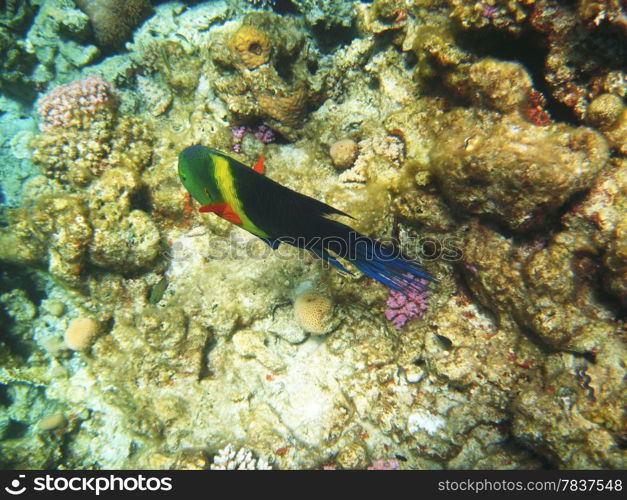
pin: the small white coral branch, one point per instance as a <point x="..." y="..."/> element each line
<point x="228" y="459"/>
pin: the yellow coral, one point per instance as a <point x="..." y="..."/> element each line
<point x="252" y="46"/>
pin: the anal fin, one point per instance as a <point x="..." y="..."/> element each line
<point x="327" y="257"/>
<point x="274" y="244"/>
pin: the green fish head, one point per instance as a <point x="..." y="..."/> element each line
<point x="196" y="174"/>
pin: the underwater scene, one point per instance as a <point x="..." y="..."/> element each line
<point x="313" y="234"/>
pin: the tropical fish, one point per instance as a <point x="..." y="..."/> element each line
<point x="276" y="214"/>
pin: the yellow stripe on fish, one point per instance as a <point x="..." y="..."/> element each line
<point x="226" y="186"/>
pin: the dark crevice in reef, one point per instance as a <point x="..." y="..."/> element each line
<point x="515" y="444"/>
<point x="463" y="287"/>
<point x="330" y="39"/>
<point x="16" y="430"/>
<point x="205" y="370"/>
<point x="141" y="200"/>
<point x="285" y="7"/>
<point x="5" y="397"/>
<point x="527" y="49"/>
<point x="12" y="277"/>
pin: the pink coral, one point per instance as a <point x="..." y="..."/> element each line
<point x="68" y="105"/>
<point x="385" y="464"/>
<point x="403" y="308"/>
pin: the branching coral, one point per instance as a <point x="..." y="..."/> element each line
<point x="402" y="308"/>
<point x="243" y="459"/>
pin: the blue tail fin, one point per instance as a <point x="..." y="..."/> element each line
<point x="389" y="266"/>
<point x="381" y="262"/>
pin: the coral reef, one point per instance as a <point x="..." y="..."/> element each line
<point x="82" y="134"/>
<point x="502" y="172"/>
<point x="583" y="49"/>
<point x="52" y="233"/>
<point x="18" y="63"/>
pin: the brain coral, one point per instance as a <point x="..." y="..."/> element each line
<point x="80" y="334"/>
<point x="113" y="21"/>
<point x="343" y="153"/>
<point x="313" y="312"/>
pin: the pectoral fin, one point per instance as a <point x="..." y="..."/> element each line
<point x="223" y="210"/>
<point x="216" y="208"/>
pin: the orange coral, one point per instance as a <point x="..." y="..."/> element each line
<point x="288" y="108"/>
<point x="252" y="46"/>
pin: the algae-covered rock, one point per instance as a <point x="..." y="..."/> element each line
<point x="124" y="239"/>
<point x="52" y="233"/>
<point x="511" y="169"/>
<point x="499" y="85"/>
<point x="600" y="219"/>
<point x="574" y="418"/>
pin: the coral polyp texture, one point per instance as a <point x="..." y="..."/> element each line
<point x="486" y="139"/>
<point x="77" y="104"/>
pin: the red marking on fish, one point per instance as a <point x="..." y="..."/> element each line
<point x="223" y="210"/>
<point x="259" y="167"/>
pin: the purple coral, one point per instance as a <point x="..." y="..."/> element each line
<point x="262" y="133"/>
<point x="402" y="308"/>
<point x="239" y="132"/>
<point x="489" y="11"/>
<point x="265" y="134"/>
